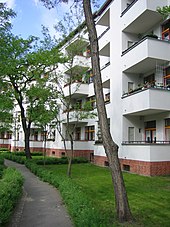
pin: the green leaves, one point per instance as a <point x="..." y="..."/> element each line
<point x="164" y="11"/>
<point x="5" y="15"/>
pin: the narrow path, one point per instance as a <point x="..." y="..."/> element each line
<point x="41" y="204"/>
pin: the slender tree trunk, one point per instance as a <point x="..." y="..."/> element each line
<point x="111" y="148"/>
<point x="27" y="144"/>
<point x="70" y="158"/>
<point x="26" y="129"/>
<point x="45" y="145"/>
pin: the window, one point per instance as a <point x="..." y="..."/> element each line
<point x="43" y="135"/>
<point x="130" y="43"/>
<point x="130" y="86"/>
<point x="92" y="101"/>
<point x="107" y="97"/>
<point x="149" y="79"/>
<point x="126" y="168"/>
<point x="166" y="30"/>
<point x="131" y="134"/>
<point x="9" y="135"/>
<point x="167" y="129"/>
<point x="150" y="131"/>
<point x="89" y="133"/>
<point x="35" y="136"/>
<point x="78" y="105"/>
<point x="167" y="78"/>
<point x="77" y="133"/>
<point x="2" y="135"/>
<point x="89" y="75"/>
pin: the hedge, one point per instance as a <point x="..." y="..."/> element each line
<point x="1" y="165"/>
<point x="40" y="161"/>
<point x="13" y="157"/>
<point x="10" y="191"/>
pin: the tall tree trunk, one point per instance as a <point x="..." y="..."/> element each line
<point x="69" y="168"/>
<point x="26" y="129"/>
<point x="27" y="144"/>
<point x="111" y="148"/>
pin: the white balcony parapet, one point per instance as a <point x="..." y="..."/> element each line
<point x="140" y="16"/>
<point x="148" y="101"/>
<point x="78" y="89"/>
<point x="146" y="152"/>
<point x="142" y="55"/>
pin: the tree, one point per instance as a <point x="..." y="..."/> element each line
<point x="5" y="15"/>
<point x="6" y="107"/>
<point x="24" y="64"/>
<point x="164" y="11"/>
<point x="66" y="87"/>
<point x="45" y="109"/>
<point x="6" y="100"/>
<point x="111" y="148"/>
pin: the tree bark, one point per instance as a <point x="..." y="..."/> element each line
<point x="70" y="157"/>
<point x="26" y="129"/>
<point x="111" y="148"/>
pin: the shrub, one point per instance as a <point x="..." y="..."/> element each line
<point x="1" y="165"/>
<point x="13" y="157"/>
<point x="10" y="192"/>
<point x="4" y="149"/>
<point x="22" y="153"/>
<point x="63" y="160"/>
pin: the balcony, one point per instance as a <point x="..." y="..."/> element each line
<point x="140" y="150"/>
<point x="104" y="38"/>
<point x="145" y="54"/>
<point x="105" y="73"/>
<point x="74" y="117"/>
<point x="79" y="63"/>
<point x="146" y="102"/>
<point x="140" y="16"/>
<point x="76" y="90"/>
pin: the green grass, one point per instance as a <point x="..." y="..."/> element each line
<point x="149" y="197"/>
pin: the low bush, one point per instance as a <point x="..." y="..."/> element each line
<point x="1" y="165"/>
<point x="22" y="153"/>
<point x="13" y="157"/>
<point x="10" y="191"/>
<point x="16" y="157"/>
<point x="80" y="208"/>
<point x="1" y="160"/>
<point x="4" y="149"/>
<point x="63" y="160"/>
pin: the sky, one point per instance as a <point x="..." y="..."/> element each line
<point x="31" y="14"/>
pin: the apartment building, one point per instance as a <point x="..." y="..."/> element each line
<point x="134" y="44"/>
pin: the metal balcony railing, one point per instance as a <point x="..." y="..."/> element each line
<point x="141" y="40"/>
<point x="128" y="7"/>
<point x="140" y="89"/>
<point x="158" y="142"/>
<point x="103" y="33"/>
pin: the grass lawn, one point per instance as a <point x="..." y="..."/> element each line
<point x="149" y="197"/>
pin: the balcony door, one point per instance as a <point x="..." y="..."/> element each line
<point x="131" y="134"/>
<point x="150" y="135"/>
<point x="167" y="129"/>
<point x="150" y="131"/>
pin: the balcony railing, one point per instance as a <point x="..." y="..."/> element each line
<point x="141" y="40"/>
<point x="158" y="142"/>
<point x="128" y="7"/>
<point x="145" y="87"/>
<point x="103" y="33"/>
<point x="104" y="66"/>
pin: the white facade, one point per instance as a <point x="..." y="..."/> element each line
<point x="134" y="47"/>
